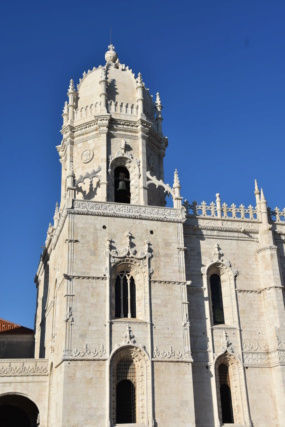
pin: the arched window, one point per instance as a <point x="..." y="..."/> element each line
<point x="225" y="395"/>
<point x="122" y="185"/>
<point x="126" y="392"/>
<point x="125" y="295"/>
<point x="217" y="300"/>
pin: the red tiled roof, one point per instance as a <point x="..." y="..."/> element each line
<point x="7" y="327"/>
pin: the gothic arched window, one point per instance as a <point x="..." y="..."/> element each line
<point x="125" y="295"/>
<point x="126" y="392"/>
<point x="122" y="185"/>
<point x="225" y="395"/>
<point x="217" y="300"/>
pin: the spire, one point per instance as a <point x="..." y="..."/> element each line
<point x="177" y="200"/>
<point x="256" y="190"/>
<point x="65" y="113"/>
<point x="71" y="87"/>
<point x="159" y="118"/>
<point x="262" y="198"/>
<point x="158" y="101"/>
<point x="176" y="183"/>
<point x="139" y="80"/>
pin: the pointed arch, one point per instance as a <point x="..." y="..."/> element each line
<point x="130" y="375"/>
<point x="128" y="290"/>
<point x="231" y="393"/>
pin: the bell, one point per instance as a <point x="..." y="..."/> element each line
<point x="122" y="186"/>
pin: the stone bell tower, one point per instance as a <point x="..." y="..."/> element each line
<point x="112" y="314"/>
<point x="111" y="122"/>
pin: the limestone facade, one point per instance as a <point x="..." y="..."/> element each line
<point x="125" y="290"/>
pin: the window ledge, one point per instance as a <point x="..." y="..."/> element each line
<point x="128" y="320"/>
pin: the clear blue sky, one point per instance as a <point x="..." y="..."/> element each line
<point x="218" y="65"/>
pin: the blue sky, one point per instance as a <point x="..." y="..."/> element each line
<point x="218" y="65"/>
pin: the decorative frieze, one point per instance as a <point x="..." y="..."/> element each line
<point x="167" y="354"/>
<point x="127" y="211"/>
<point x="87" y="353"/>
<point x="20" y="367"/>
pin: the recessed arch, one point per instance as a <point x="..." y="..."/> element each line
<point x="18" y="410"/>
<point x="130" y="364"/>
<point x="128" y="290"/>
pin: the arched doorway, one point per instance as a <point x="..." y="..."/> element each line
<point x="18" y="411"/>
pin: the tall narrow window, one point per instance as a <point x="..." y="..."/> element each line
<point x="122" y="185"/>
<point x="225" y="395"/>
<point x="217" y="299"/>
<point x="125" y="295"/>
<point x="126" y="392"/>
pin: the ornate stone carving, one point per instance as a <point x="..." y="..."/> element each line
<point x="159" y="183"/>
<point x="127" y="211"/>
<point x="19" y="368"/>
<point x="88" y="175"/>
<point x="167" y="354"/>
<point x="129" y="251"/>
<point x="128" y="337"/>
<point x="89" y="353"/>
<point x="226" y="344"/>
<point x="87" y="156"/>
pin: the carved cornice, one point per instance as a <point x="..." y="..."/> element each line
<point x="23" y="367"/>
<point x="126" y="211"/>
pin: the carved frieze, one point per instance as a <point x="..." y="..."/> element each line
<point x="23" y="368"/>
<point x="169" y="354"/>
<point x="86" y="352"/>
<point x="126" y="211"/>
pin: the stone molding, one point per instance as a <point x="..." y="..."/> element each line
<point x="82" y="276"/>
<point x="23" y="367"/>
<point x="126" y="211"/>
<point x="230" y="224"/>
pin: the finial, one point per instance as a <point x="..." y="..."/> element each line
<point x="158" y="101"/>
<point x="65" y="107"/>
<point x="256" y="190"/>
<point x="139" y="79"/>
<point x="176" y="183"/>
<point x="111" y="55"/>
<point x="71" y="86"/>
<point x="262" y="195"/>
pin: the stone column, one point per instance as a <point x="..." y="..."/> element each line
<point x="103" y="124"/>
<point x="271" y="289"/>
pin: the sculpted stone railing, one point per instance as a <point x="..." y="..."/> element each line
<point x="218" y="210"/>
<point x="23" y="367"/>
<point x="277" y="215"/>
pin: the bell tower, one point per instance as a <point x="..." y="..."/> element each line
<point x="112" y="255"/>
<point x="112" y="135"/>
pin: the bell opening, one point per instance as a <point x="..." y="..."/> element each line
<point x="122" y="185"/>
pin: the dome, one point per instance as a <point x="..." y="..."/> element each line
<point x="121" y="89"/>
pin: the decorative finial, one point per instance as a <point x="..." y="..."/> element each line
<point x="139" y="79"/>
<point x="262" y="195"/>
<point x="256" y="190"/>
<point x="71" y="86"/>
<point x="158" y="101"/>
<point x="176" y="183"/>
<point x="111" y="55"/>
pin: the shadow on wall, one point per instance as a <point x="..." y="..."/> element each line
<point x="198" y="330"/>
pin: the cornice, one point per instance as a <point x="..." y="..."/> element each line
<point x="126" y="211"/>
